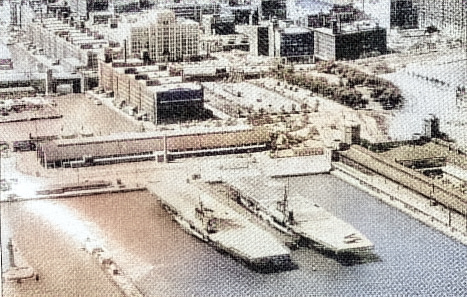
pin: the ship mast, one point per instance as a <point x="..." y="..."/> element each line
<point x="283" y="206"/>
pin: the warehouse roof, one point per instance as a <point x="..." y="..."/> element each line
<point x="112" y="145"/>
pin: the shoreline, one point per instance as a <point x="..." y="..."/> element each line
<point x="432" y="216"/>
<point x="77" y="194"/>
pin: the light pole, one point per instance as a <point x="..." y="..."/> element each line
<point x="77" y="172"/>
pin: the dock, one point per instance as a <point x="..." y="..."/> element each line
<point x="72" y="191"/>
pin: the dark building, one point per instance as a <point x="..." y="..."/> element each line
<point x="144" y="4"/>
<point x="178" y="103"/>
<point x="340" y="13"/>
<point x="126" y="6"/>
<point x="273" y="9"/>
<point x="263" y="40"/>
<point x="97" y="5"/>
<point x="352" y="42"/>
<point x="244" y="15"/>
<point x="404" y="14"/>
<point x="294" y="43"/>
<point x="431" y="127"/>
<point x="223" y="25"/>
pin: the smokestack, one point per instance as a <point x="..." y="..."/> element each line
<point x="20" y="16"/>
<point x="166" y="159"/>
<point x="124" y="50"/>
<point x="11" y="253"/>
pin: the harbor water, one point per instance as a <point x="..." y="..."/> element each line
<point x="163" y="260"/>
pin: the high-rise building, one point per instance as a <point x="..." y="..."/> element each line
<point x="81" y="8"/>
<point x="404" y="14"/>
<point x="166" y="38"/>
<point x="448" y="16"/>
<point x="294" y="44"/>
<point x="353" y="41"/>
<point x="274" y="9"/>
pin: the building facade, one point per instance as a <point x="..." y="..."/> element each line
<point x="449" y="16"/>
<point x="294" y="44"/>
<point x="151" y="91"/>
<point x="404" y="14"/>
<point x="193" y="11"/>
<point x="274" y="9"/>
<point x="61" y="41"/>
<point x="167" y="38"/>
<point x="350" y="43"/>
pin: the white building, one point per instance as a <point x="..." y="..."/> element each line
<point x="166" y="38"/>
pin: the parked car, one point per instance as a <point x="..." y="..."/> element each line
<point x="25" y="145"/>
<point x="4" y="145"/>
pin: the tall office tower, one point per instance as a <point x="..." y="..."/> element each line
<point x="274" y="9"/>
<point x="449" y="16"/>
<point x="166" y="38"/>
<point x="404" y="14"/>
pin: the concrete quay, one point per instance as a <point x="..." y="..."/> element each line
<point x="225" y="168"/>
<point x="415" y="205"/>
<point x="73" y="194"/>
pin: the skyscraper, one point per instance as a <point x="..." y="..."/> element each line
<point x="449" y="16"/>
<point x="166" y="38"/>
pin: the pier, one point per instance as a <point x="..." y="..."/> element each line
<point x="408" y="190"/>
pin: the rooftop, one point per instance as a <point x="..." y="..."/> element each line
<point x="168" y="87"/>
<point x="351" y="28"/>
<point x="295" y="30"/>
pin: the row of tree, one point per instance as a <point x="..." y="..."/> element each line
<point x="383" y="91"/>
<point x="319" y="85"/>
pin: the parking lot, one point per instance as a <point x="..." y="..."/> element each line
<point x="80" y="116"/>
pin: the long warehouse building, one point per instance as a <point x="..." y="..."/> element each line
<point x="128" y="147"/>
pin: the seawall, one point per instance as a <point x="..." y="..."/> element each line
<point x="417" y="206"/>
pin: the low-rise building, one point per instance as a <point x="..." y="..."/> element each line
<point x="131" y="147"/>
<point x="151" y="91"/>
<point x="5" y="58"/>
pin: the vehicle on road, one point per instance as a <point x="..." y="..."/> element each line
<point x="23" y="146"/>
